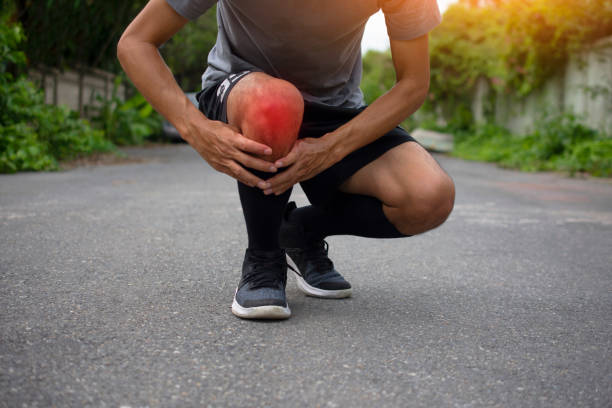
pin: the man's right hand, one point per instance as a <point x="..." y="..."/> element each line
<point x="227" y="150"/>
<point x="222" y="146"/>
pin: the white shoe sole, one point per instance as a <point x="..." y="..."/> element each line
<point x="260" y="312"/>
<point x="316" y="292"/>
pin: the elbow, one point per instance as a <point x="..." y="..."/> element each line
<point x="125" y="46"/>
<point x="121" y="46"/>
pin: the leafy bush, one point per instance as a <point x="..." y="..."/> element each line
<point x="36" y="136"/>
<point x="594" y="156"/>
<point x="20" y="149"/>
<point x="557" y="143"/>
<point x="10" y="54"/>
<point x="33" y="135"/>
<point x="125" y="123"/>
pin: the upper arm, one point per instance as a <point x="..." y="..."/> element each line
<point x="408" y="24"/>
<point x="155" y="24"/>
<point x="411" y="60"/>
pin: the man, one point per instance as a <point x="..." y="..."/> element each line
<point x="286" y="69"/>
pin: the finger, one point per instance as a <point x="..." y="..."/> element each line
<point x="279" y="179"/>
<point x="280" y="189"/>
<point x="289" y="159"/>
<point x="245" y="176"/>
<point x="280" y="183"/>
<point x="250" y="146"/>
<point x="255" y="163"/>
<point x="295" y="175"/>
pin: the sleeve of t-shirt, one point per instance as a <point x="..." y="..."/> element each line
<point x="408" y="19"/>
<point x="191" y="9"/>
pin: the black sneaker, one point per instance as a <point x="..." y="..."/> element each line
<point x="261" y="291"/>
<point x="315" y="272"/>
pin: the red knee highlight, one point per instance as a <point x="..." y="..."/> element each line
<point x="273" y="115"/>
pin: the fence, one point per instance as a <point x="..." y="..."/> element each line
<point x="584" y="87"/>
<point x="76" y="89"/>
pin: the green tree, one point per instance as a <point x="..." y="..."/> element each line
<point x="466" y="45"/>
<point x="83" y="33"/>
<point x="75" y="33"/>
<point x="541" y="35"/>
<point x="515" y="43"/>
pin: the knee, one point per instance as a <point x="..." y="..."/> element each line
<point x="428" y="207"/>
<point x="441" y="200"/>
<point x="272" y="114"/>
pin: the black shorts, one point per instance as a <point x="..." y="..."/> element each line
<point x="318" y="120"/>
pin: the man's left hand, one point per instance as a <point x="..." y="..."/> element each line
<point x="307" y="158"/>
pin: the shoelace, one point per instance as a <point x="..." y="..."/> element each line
<point x="266" y="272"/>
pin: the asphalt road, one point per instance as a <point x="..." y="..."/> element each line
<point x="116" y="283"/>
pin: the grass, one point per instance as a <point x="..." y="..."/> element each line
<point x="559" y="143"/>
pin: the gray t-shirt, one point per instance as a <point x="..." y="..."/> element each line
<point x="314" y="44"/>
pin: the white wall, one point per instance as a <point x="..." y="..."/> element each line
<point x="584" y="87"/>
<point x="75" y="89"/>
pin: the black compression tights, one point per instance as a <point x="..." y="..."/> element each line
<point x="348" y="214"/>
<point x="262" y="214"/>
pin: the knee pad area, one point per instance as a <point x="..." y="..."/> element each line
<point x="274" y="119"/>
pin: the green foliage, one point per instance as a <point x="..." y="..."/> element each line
<point x="125" y="123"/>
<point x="557" y="143"/>
<point x="20" y="149"/>
<point x="378" y="77"/>
<point x="36" y="136"/>
<point x="74" y="33"/>
<point x="33" y="135"/>
<point x="515" y="43"/>
<point x="188" y="49"/>
<point x="593" y="156"/>
<point x="378" y="74"/>
<point x="84" y="33"/>
<point x="10" y="55"/>
<point x="543" y="33"/>
<point x="464" y="46"/>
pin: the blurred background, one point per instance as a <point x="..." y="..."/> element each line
<point x="524" y="83"/>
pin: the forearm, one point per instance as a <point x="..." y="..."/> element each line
<point x="222" y="146"/>
<point x="384" y="114"/>
<point x="145" y="67"/>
